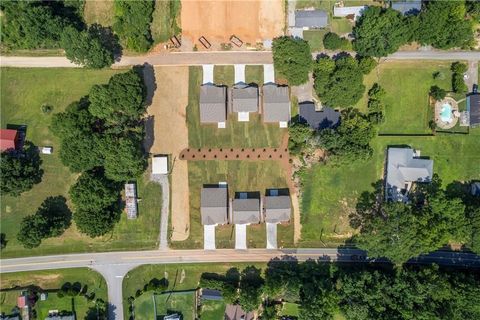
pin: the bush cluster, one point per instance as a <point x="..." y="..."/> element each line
<point x="458" y="84"/>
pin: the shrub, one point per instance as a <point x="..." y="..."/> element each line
<point x="292" y="59"/>
<point x="332" y="41"/>
<point x="437" y="93"/>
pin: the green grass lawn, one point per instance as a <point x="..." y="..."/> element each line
<point x="315" y="38"/>
<point x="240" y="176"/>
<point x="290" y="309"/>
<point x="254" y="74"/>
<point x="223" y="75"/>
<point x="101" y="12"/>
<point x="341" y="26"/>
<point x="166" y="20"/>
<point x="181" y="303"/>
<point x="212" y="310"/>
<point x="23" y="93"/>
<point x="236" y="134"/>
<point x="51" y="280"/>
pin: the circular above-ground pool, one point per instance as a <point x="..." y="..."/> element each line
<point x="446" y="114"/>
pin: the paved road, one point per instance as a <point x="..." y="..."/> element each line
<point x="115" y="265"/>
<point x="219" y="58"/>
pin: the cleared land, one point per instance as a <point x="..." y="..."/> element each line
<point x="182" y="303"/>
<point x="11" y="284"/>
<point x="165" y="20"/>
<point x="21" y="101"/>
<point x="170" y="136"/>
<point x="330" y="193"/>
<point x="101" y="12"/>
<point x="251" y="21"/>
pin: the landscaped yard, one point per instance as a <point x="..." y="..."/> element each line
<point x="52" y="279"/>
<point x="182" y="303"/>
<point x="254" y="74"/>
<point x="24" y="91"/>
<point x="166" y="20"/>
<point x="315" y="38"/>
<point x="214" y="310"/>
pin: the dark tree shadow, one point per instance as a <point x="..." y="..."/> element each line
<point x="58" y="214"/>
<point x="368" y="205"/>
<point x="233" y="276"/>
<point x="148" y="73"/>
<point x="149" y="133"/>
<point x="3" y="241"/>
<point x="108" y="39"/>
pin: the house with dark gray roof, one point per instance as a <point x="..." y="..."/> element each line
<point x="276" y="104"/>
<point x="214" y="205"/>
<point x="407" y="7"/>
<point x="246" y="210"/>
<point x="473" y="109"/>
<point x="277" y="208"/>
<point x="311" y="19"/>
<point x="213" y="104"/>
<point x="405" y="167"/>
<point x="317" y="120"/>
<point x="244" y="100"/>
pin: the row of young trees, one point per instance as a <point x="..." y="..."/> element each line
<point x="362" y="291"/>
<point x="101" y="136"/>
<point x="441" y="24"/>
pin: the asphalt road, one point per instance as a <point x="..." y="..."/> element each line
<point x="218" y="58"/>
<point x="115" y="265"/>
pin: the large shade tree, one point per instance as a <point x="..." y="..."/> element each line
<point x="292" y="59"/>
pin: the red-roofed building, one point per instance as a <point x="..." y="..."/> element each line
<point x="8" y="139"/>
<point x="22" y="301"/>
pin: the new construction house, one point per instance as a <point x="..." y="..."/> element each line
<point x="244" y="101"/>
<point x="276" y="104"/>
<point x="214" y="211"/>
<point x="213" y="105"/>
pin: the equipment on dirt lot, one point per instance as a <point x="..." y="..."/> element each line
<point x="204" y="42"/>
<point x="236" y="41"/>
<point x="175" y="41"/>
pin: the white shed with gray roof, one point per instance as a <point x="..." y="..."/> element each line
<point x="311" y="19"/>
<point x="213" y="104"/>
<point x="276" y="104"/>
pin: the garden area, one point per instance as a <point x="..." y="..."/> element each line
<point x="22" y="100"/>
<point x="51" y="281"/>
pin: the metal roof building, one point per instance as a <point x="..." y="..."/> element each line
<point x="473" y="108"/>
<point x="8" y="139"/>
<point x="311" y="19"/>
<point x="213" y="104"/>
<point x="355" y="11"/>
<point x="276" y="104"/>
<point x="131" y="200"/>
<point x="214" y="205"/>
<point x="407" y="7"/>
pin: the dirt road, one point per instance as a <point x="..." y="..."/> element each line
<point x="168" y="110"/>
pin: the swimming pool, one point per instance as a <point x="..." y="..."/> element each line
<point x="446" y="114"/>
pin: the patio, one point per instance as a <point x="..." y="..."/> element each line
<point x="446" y="113"/>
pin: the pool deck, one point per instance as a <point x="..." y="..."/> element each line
<point x="438" y="108"/>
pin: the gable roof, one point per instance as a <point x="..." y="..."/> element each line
<point x="244" y="98"/>
<point x="235" y="312"/>
<point x="8" y="139"/>
<point x="473" y="107"/>
<point x="311" y="18"/>
<point x="246" y="211"/>
<point x="213" y="103"/>
<point x="407" y="7"/>
<point x="276" y="103"/>
<point x="404" y="167"/>
<point x="326" y="118"/>
<point x="214" y="206"/>
<point x="277" y="209"/>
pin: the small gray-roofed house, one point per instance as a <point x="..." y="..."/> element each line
<point x="209" y="294"/>
<point x="214" y="206"/>
<point x="59" y="317"/>
<point x="276" y="103"/>
<point x="403" y="168"/>
<point x="244" y="98"/>
<point x="407" y="7"/>
<point x="277" y="209"/>
<point x="473" y="108"/>
<point x="246" y="211"/>
<point x="311" y="19"/>
<point x="326" y="118"/>
<point x="213" y="104"/>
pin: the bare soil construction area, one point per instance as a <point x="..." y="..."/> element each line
<point x="250" y="20"/>
<point x="168" y="110"/>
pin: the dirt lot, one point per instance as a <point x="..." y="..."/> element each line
<point x="170" y="137"/>
<point x="252" y="20"/>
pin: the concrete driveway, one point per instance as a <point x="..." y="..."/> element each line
<point x="209" y="237"/>
<point x="472" y="75"/>
<point x="268" y="73"/>
<point x="207" y="73"/>
<point x="304" y="92"/>
<point x="239" y="73"/>
<point x="271" y="235"/>
<point x="241" y="236"/>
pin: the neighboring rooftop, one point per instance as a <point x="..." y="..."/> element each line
<point x="214" y="205"/>
<point x="244" y="98"/>
<point x="60" y="317"/>
<point x="277" y="209"/>
<point x="475" y="188"/>
<point x="348" y="12"/>
<point x="208" y="294"/>
<point x="8" y="139"/>
<point x="131" y="200"/>
<point x="159" y="165"/>
<point x="404" y="167"/>
<point x="408" y="7"/>
<point x="213" y="104"/>
<point x="473" y="108"/>
<point x="276" y="103"/>
<point x="235" y="312"/>
<point x="246" y="211"/>
<point x="326" y="118"/>
<point x="311" y="19"/>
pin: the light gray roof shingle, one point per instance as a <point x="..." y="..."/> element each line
<point x="213" y="104"/>
<point x="277" y="209"/>
<point x="276" y="103"/>
<point x="311" y="18"/>
<point x="244" y="98"/>
<point x="407" y="7"/>
<point x="214" y="206"/>
<point x="246" y="211"/>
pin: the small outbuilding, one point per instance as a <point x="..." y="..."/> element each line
<point x="9" y="139"/>
<point x="46" y="150"/>
<point x="311" y="19"/>
<point x="213" y="105"/>
<point x="276" y="104"/>
<point x="244" y="101"/>
<point x="160" y="165"/>
<point x="131" y="200"/>
<point x="473" y="109"/>
<point x="348" y="12"/>
<point x="317" y="120"/>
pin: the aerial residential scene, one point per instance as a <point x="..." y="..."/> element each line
<point x="239" y="159"/>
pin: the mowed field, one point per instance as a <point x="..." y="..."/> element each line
<point x="11" y="284"/>
<point x="24" y="91"/>
<point x="99" y="11"/>
<point x="330" y="193"/>
<point x="251" y="21"/>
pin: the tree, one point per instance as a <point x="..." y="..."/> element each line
<point x="380" y="32"/>
<point x="298" y="137"/>
<point x="376" y="106"/>
<point x="124" y="159"/>
<point x="437" y="93"/>
<point x="332" y="41"/>
<point x="459" y="67"/>
<point x="366" y="64"/>
<point x="3" y="241"/>
<point x="20" y="170"/>
<point x="86" y="48"/>
<point x="292" y="59"/>
<point x="251" y="284"/>
<point x="341" y="87"/>
<point x="443" y="25"/>
<point x="96" y="223"/>
<point x="458" y="84"/>
<point x="32" y="230"/>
